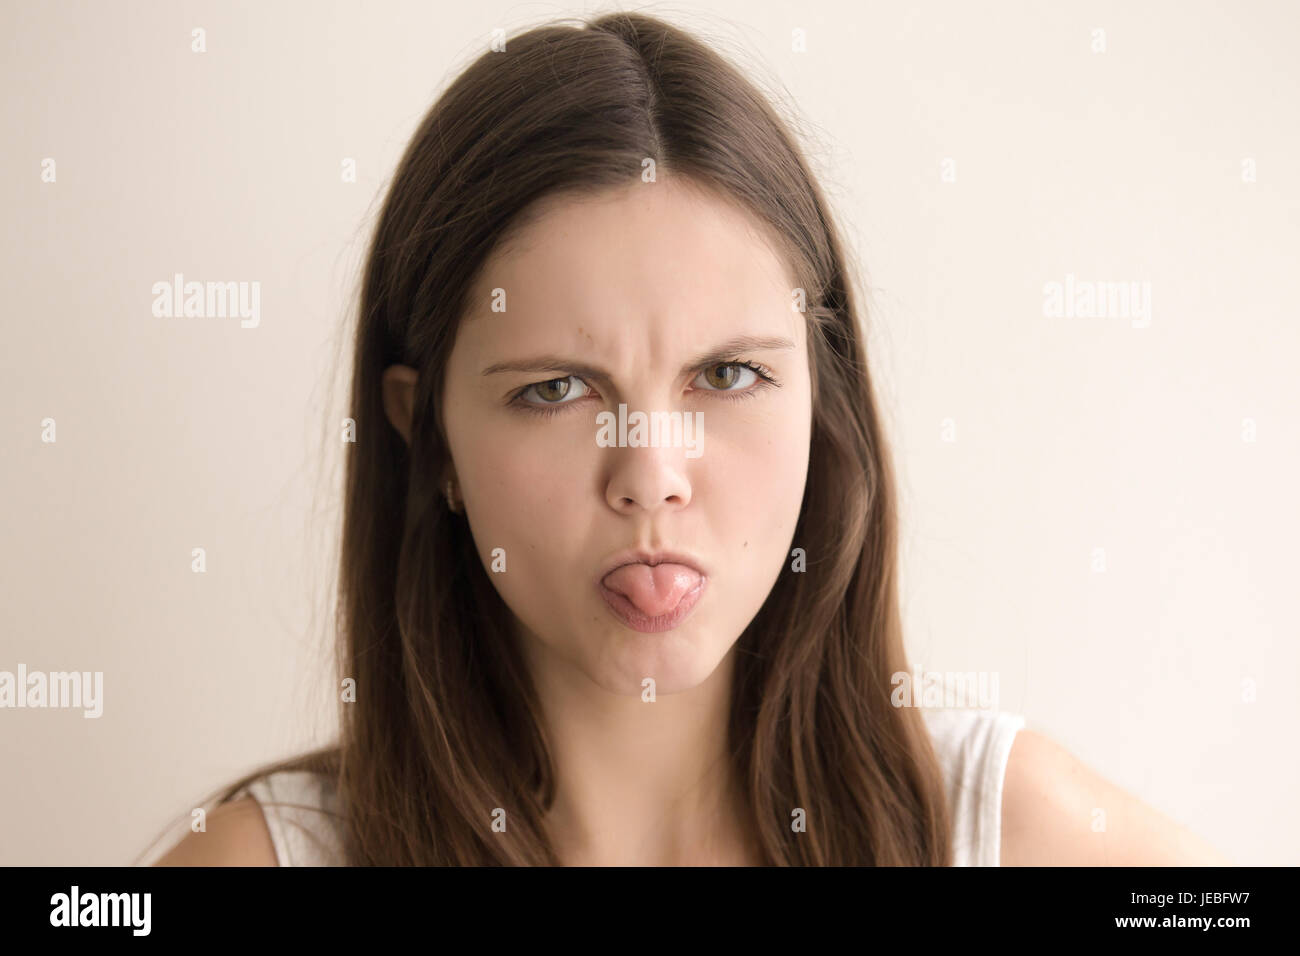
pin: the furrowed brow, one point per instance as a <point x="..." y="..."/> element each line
<point x="714" y="356"/>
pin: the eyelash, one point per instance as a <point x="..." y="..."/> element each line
<point x="765" y="380"/>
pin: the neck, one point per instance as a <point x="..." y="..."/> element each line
<point x="641" y="782"/>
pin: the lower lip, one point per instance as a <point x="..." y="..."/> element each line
<point x="627" y="612"/>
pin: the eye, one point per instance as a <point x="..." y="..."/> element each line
<point x="733" y="371"/>
<point x="554" y="392"/>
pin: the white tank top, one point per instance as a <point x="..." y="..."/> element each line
<point x="972" y="747"/>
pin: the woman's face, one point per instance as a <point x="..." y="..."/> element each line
<point x="622" y="300"/>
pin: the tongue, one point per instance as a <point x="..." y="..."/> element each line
<point x="654" y="590"/>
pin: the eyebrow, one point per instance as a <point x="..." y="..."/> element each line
<point x="715" y="356"/>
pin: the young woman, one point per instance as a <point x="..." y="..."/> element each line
<point x="564" y="642"/>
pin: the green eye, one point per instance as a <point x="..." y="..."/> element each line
<point x="760" y="377"/>
<point x="560" y="386"/>
<point x="552" y="392"/>
<point x="733" y="370"/>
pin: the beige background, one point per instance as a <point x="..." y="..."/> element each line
<point x="1070" y="434"/>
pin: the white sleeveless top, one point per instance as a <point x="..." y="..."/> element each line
<point x="972" y="747"/>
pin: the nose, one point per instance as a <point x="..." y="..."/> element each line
<point x="645" y="478"/>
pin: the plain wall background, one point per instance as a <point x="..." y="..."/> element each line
<point x="1071" y="434"/>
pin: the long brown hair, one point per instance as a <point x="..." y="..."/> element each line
<point x="445" y="725"/>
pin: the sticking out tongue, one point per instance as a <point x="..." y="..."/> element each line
<point x="654" y="590"/>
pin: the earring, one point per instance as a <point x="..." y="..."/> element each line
<point x="451" y="497"/>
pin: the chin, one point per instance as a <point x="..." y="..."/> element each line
<point x="677" y="660"/>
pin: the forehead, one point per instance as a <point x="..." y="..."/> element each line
<point x="669" y="260"/>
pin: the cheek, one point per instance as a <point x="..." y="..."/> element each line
<point x="763" y="511"/>
<point x="529" y="503"/>
<point x="784" y="478"/>
<point x="773" y="465"/>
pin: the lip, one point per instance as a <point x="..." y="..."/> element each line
<point x="643" y="556"/>
<point x="628" y="613"/>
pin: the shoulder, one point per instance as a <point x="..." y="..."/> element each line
<point x="283" y="818"/>
<point x="236" y="834"/>
<point x="971" y="745"/>
<point x="303" y="811"/>
<point x="1056" y="811"/>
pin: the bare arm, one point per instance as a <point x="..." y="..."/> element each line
<point x="236" y="835"/>
<point x="1050" y="801"/>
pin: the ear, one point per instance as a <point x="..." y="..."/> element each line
<point x="399" y="397"/>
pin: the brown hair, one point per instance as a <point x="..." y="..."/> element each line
<point x="446" y="725"/>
